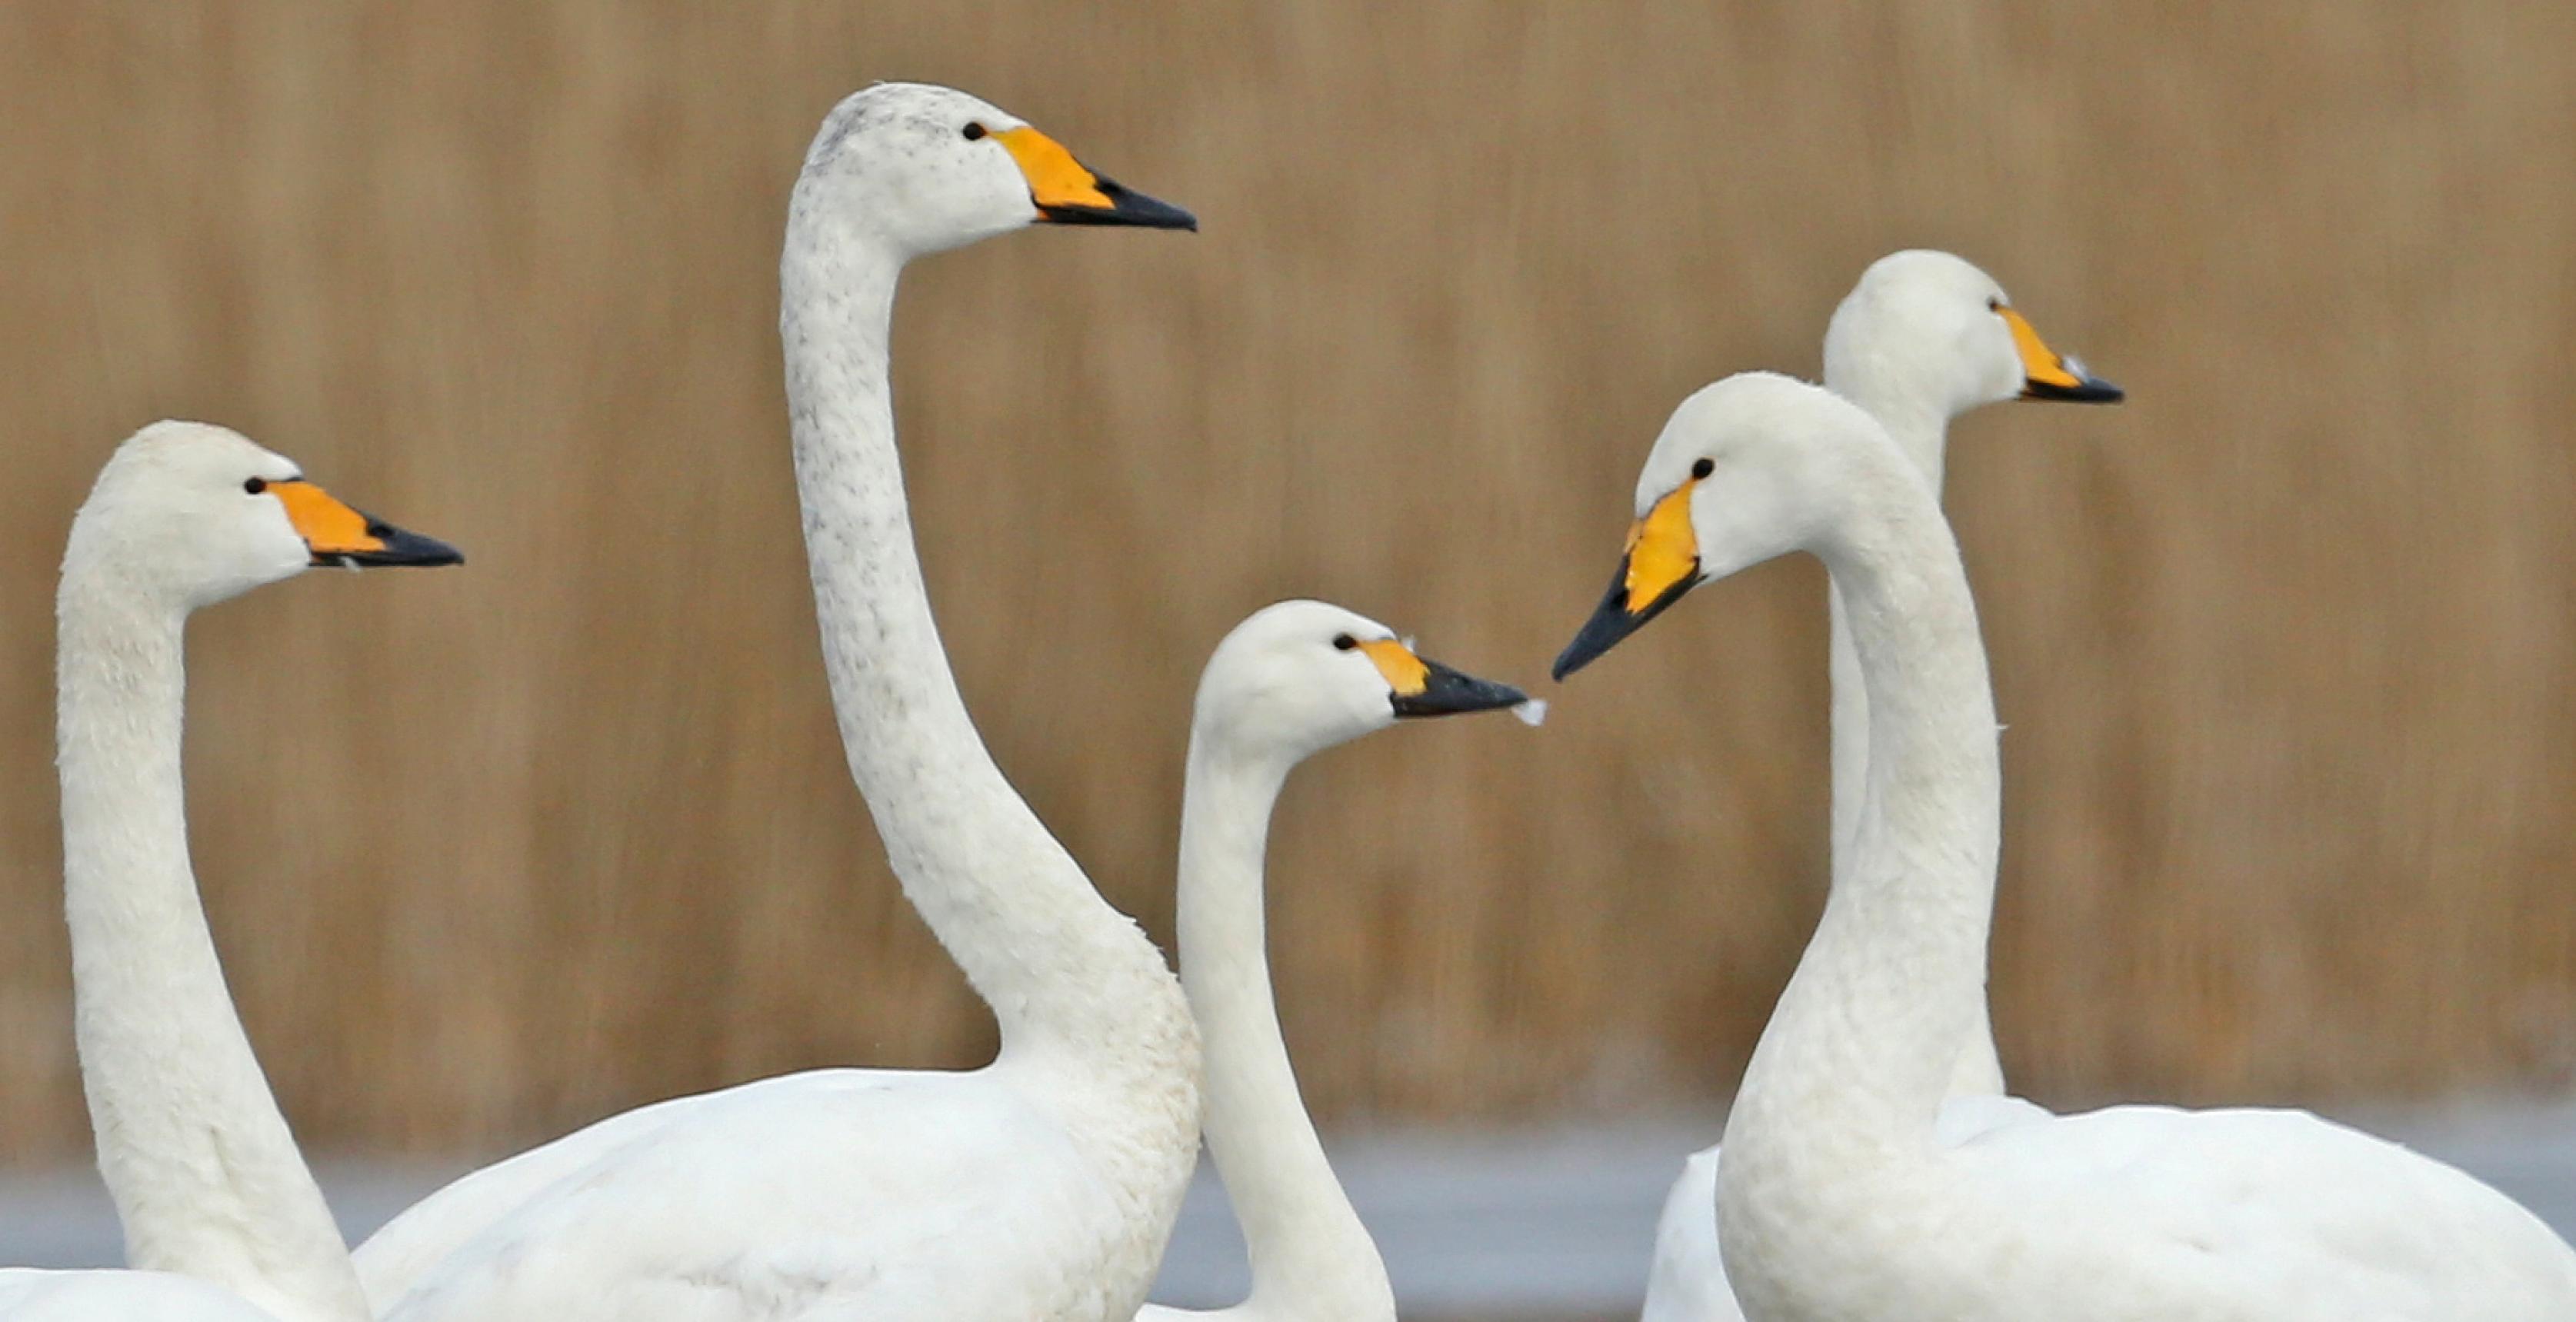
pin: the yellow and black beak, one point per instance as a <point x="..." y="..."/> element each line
<point x="1661" y="563"/>
<point x="1422" y="687"/>
<point x="338" y="534"/>
<point x="1068" y="193"/>
<point x="2047" y="374"/>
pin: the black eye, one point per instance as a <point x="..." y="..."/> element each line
<point x="1703" y="468"/>
<point x="974" y="132"/>
<point x="1994" y="305"/>
<point x="1344" y="642"/>
<point x="255" y="485"/>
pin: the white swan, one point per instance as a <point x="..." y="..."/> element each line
<point x="1923" y="338"/>
<point x="221" y="1217"/>
<point x="1040" y="1186"/>
<point x="1294" y="679"/>
<point x="1839" y="1198"/>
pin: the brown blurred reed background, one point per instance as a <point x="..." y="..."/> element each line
<point x="2284" y="643"/>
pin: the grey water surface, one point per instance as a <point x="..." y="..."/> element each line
<point x="1540" y="1223"/>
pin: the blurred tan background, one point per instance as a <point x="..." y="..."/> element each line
<point x="2284" y="643"/>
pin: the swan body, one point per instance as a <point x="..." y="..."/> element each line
<point x="1294" y="679"/>
<point x="221" y="1217"/>
<point x="1687" y="1280"/>
<point x="31" y="1295"/>
<point x="1041" y="1186"/>
<point x="1924" y="337"/>
<point x="1838" y="1198"/>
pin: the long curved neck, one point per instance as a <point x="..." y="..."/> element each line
<point x="1863" y="367"/>
<point x="1920" y="427"/>
<point x="1060" y="968"/>
<point x="1865" y="1038"/>
<point x="204" y="1171"/>
<point x="1307" y="1245"/>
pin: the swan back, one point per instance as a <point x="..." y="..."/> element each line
<point x="1687" y="1282"/>
<point x="28" y="1295"/>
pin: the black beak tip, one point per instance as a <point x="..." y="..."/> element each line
<point x="1449" y="692"/>
<point x="434" y="552"/>
<point x="1613" y="621"/>
<point x="1126" y="207"/>
<point x="2087" y="390"/>
<point x="398" y="550"/>
<point x="1165" y="216"/>
<point x="1601" y="633"/>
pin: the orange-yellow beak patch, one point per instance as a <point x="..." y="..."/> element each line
<point x="2038" y="362"/>
<point x="1406" y="673"/>
<point x="1662" y="549"/>
<point x="327" y="526"/>
<point x="1055" y="178"/>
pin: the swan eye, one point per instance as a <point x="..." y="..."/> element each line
<point x="255" y="485"/>
<point x="1994" y="305"/>
<point x="1703" y="468"/>
<point x="1344" y="642"/>
<point x="975" y="132"/>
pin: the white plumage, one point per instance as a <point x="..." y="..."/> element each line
<point x="1840" y="1196"/>
<point x="1920" y="340"/>
<point x="218" y="1209"/>
<point x="29" y="1295"/>
<point x="1294" y="679"/>
<point x="1041" y="1186"/>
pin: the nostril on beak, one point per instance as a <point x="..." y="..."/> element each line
<point x="379" y="531"/>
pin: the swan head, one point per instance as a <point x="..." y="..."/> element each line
<point x="1753" y="467"/>
<point x="926" y="168"/>
<point x="194" y="513"/>
<point x="1298" y="677"/>
<point x="1930" y="329"/>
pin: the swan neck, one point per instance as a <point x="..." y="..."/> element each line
<point x="1920" y="429"/>
<point x="205" y="1174"/>
<point x="1060" y="967"/>
<point x="1306" y="1243"/>
<point x="1850" y="729"/>
<point x="1921" y="433"/>
<point x="1893" y="981"/>
<point x="1918" y="421"/>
